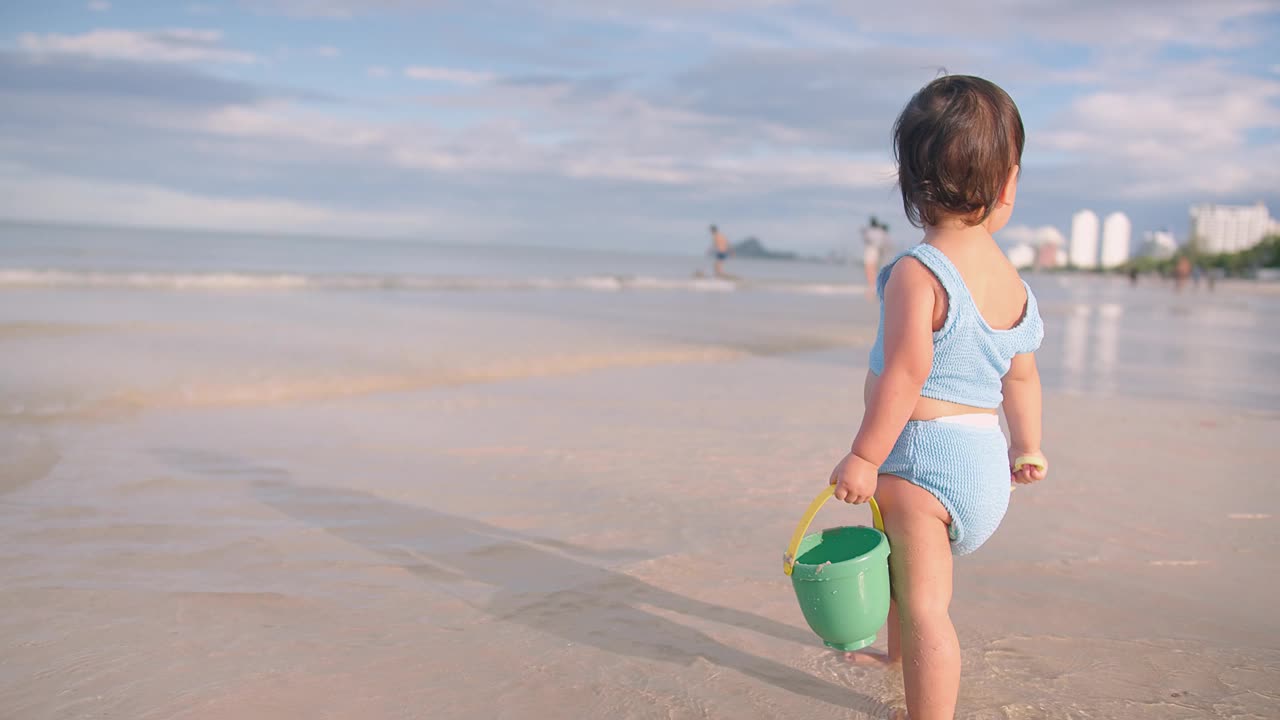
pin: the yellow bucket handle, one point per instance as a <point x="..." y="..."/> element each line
<point x="789" y="560"/>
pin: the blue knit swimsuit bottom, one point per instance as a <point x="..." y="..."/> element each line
<point x="964" y="465"/>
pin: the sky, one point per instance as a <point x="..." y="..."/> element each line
<point x="612" y="124"/>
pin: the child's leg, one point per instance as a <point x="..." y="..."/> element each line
<point x="875" y="657"/>
<point x="920" y="567"/>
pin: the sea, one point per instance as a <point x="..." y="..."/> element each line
<point x="96" y="321"/>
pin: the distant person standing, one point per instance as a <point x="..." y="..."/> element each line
<point x="720" y="247"/>
<point x="1181" y="272"/>
<point x="875" y="237"/>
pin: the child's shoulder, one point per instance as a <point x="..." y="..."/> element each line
<point x="911" y="268"/>
<point x="921" y="263"/>
<point x="910" y="274"/>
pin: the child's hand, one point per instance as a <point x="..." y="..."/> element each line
<point x="1027" y="474"/>
<point x="855" y="479"/>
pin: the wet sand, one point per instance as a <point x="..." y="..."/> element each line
<point x="604" y="542"/>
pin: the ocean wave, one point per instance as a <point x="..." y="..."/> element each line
<point x="238" y="281"/>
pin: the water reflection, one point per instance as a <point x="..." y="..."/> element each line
<point x="1219" y="349"/>
<point x="1106" y="346"/>
<point x="1091" y="347"/>
<point x="1075" y="339"/>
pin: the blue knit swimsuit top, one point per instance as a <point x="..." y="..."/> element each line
<point x="969" y="357"/>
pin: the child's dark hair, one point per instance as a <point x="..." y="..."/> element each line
<point x="955" y="143"/>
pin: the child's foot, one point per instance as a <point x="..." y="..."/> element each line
<point x="873" y="658"/>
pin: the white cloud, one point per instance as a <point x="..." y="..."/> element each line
<point x="348" y="8"/>
<point x="448" y="75"/>
<point x="176" y="45"/>
<point x="615" y="137"/>
<point x="734" y="130"/>
<point x="37" y="196"/>
<point x="659" y="170"/>
<point x="1176" y="129"/>
<point x="279" y="121"/>
<point x="326" y="52"/>
<point x="1133" y="25"/>
<point x="1036" y="236"/>
<point x="783" y="168"/>
<point x="333" y="9"/>
<point x="99" y="5"/>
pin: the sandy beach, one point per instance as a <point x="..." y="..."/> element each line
<point x="572" y="504"/>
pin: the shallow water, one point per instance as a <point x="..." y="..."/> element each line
<point x="228" y="496"/>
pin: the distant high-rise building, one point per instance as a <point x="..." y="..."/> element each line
<point x="1047" y="256"/>
<point x="1049" y="242"/>
<point x="1116" y="232"/>
<point x="1083" y="250"/>
<point x="1229" y="228"/>
<point x="1159" y="244"/>
<point x="1022" y="255"/>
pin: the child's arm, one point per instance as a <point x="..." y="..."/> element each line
<point x="1021" y="387"/>
<point x="908" y="358"/>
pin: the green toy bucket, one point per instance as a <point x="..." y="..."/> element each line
<point x="841" y="578"/>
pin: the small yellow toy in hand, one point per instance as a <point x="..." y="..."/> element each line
<point x="1026" y="469"/>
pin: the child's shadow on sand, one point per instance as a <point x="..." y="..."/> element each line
<point x="535" y="584"/>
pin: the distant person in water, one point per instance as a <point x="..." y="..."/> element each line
<point x="875" y="237"/>
<point x="1181" y="271"/>
<point x="720" y="246"/>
